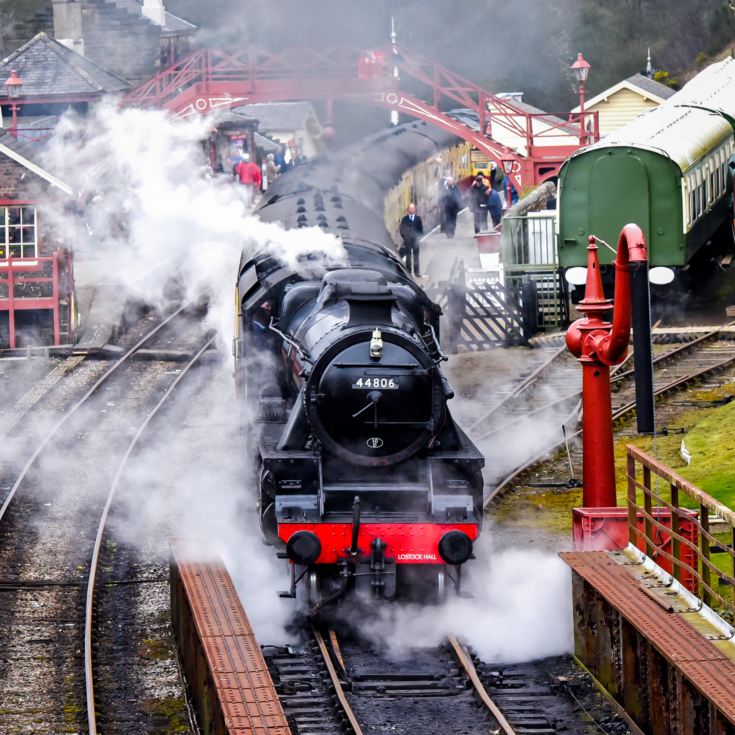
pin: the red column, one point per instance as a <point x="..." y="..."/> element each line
<point x="57" y="326"/>
<point x="598" y="462"/>
<point x="11" y="301"/>
<point x="598" y="344"/>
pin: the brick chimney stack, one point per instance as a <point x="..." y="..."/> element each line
<point x="155" y="11"/>
<point x="68" y="24"/>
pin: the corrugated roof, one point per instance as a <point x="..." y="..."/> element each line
<point x="676" y="128"/>
<point x="47" y="68"/>
<point x="279" y="115"/>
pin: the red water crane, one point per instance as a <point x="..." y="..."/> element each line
<point x="599" y="344"/>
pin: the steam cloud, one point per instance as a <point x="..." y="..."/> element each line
<point x="504" y="618"/>
<point x="150" y="209"/>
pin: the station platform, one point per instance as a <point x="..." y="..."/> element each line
<point x="439" y="252"/>
<point x="662" y="655"/>
<point x="226" y="673"/>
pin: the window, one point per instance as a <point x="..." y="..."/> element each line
<point x="18" y="232"/>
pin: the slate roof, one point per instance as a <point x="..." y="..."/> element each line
<point x="279" y="115"/>
<point x="651" y="85"/>
<point x="48" y="68"/>
<point x="637" y="83"/>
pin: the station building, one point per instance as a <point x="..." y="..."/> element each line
<point x="36" y="270"/>
<point x="625" y="101"/>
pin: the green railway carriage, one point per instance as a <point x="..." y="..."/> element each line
<point x="670" y="171"/>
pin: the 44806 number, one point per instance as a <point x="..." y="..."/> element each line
<point x="382" y="383"/>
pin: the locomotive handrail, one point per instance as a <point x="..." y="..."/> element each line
<point x="289" y="341"/>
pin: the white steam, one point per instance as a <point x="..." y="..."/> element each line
<point x="149" y="207"/>
<point x="518" y="608"/>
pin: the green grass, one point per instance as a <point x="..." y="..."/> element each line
<point x="709" y="432"/>
<point x="709" y="435"/>
<point x="712" y="446"/>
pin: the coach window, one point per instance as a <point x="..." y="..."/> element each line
<point x="18" y="232"/>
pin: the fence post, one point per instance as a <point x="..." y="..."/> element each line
<point x="632" y="508"/>
<point x="529" y="307"/>
<point x="456" y="296"/>
<point x="675" y="530"/>
<point x="704" y="549"/>
<point x="648" y="507"/>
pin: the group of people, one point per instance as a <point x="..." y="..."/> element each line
<point x="484" y="201"/>
<point x="249" y="174"/>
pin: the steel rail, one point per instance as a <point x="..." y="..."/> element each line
<point x="522" y="417"/>
<point x="520" y="387"/>
<point x="100" y="381"/>
<point x="668" y="355"/>
<point x="336" y="683"/>
<point x="464" y="660"/>
<point x="616" y="415"/>
<point x="616" y="377"/>
<point x="92" y="577"/>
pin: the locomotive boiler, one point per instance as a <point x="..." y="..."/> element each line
<point x="365" y="481"/>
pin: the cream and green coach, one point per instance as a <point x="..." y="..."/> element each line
<point x="670" y="171"/>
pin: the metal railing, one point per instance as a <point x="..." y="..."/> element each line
<point x="529" y="249"/>
<point x="681" y="529"/>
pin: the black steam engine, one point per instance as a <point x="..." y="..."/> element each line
<point x="365" y="480"/>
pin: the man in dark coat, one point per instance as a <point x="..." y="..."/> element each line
<point x="451" y="203"/>
<point x="411" y="228"/>
<point x="478" y="201"/>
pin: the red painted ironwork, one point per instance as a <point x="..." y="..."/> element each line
<point x="28" y="284"/>
<point x="598" y="345"/>
<point x="208" y="80"/>
<point x="407" y="543"/>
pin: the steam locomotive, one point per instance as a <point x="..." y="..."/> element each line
<point x="365" y="480"/>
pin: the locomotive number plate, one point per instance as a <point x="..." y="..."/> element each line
<point x="372" y="383"/>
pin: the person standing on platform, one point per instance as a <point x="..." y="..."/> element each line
<point x="248" y="174"/>
<point x="494" y="206"/>
<point x="478" y="202"/>
<point x="451" y="203"/>
<point x="411" y="228"/>
<point x="272" y="169"/>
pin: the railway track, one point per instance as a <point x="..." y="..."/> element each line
<point x="674" y="369"/>
<point x="49" y="547"/>
<point x="333" y="686"/>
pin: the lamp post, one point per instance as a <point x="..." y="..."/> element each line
<point x="13" y="87"/>
<point x="581" y="70"/>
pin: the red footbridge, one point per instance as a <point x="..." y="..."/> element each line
<point x="530" y="146"/>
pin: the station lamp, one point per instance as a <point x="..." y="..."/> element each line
<point x="581" y="70"/>
<point x="13" y="87"/>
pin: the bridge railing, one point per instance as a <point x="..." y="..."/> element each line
<point x="683" y="527"/>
